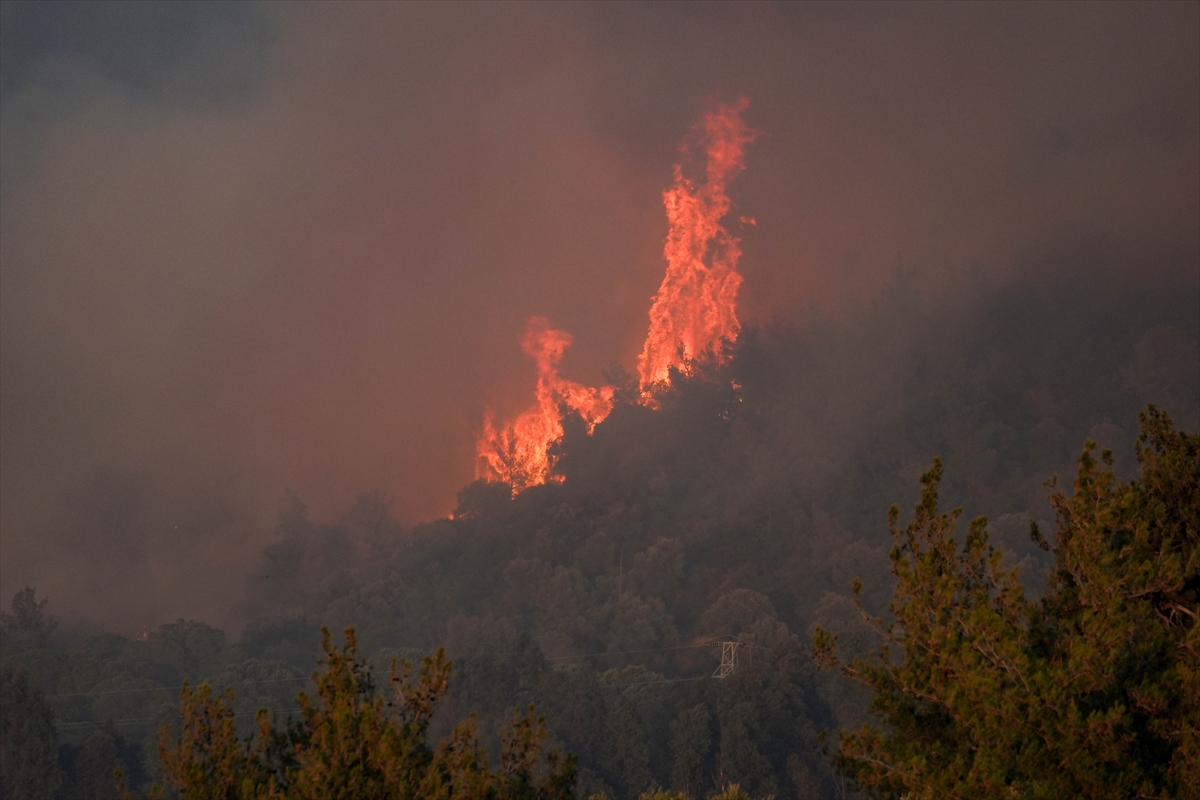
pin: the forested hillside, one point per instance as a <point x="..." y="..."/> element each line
<point x="743" y="505"/>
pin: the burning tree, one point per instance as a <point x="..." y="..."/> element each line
<point x="693" y="313"/>
<point x="696" y="305"/>
<point x="519" y="453"/>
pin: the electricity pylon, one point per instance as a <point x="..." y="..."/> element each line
<point x="728" y="665"/>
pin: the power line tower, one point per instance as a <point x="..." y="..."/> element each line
<point x="729" y="657"/>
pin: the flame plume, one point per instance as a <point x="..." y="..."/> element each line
<point x="696" y="305"/>
<point x="519" y="454"/>
<point x="694" y="310"/>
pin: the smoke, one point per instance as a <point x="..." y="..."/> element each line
<point x="294" y="247"/>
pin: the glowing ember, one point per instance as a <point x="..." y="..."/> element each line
<point x="519" y="453"/>
<point x="696" y="305"/>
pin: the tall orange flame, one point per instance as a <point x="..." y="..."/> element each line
<point x="694" y="310"/>
<point x="696" y="305"/>
<point x="520" y="453"/>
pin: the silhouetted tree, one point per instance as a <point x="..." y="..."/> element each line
<point x="691" y="742"/>
<point x="92" y="769"/>
<point x="28" y="747"/>
<point x="27" y="625"/>
<point x="352" y="742"/>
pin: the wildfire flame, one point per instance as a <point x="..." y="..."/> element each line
<point x="696" y="305"/>
<point x="694" y="310"/>
<point x="520" y="453"/>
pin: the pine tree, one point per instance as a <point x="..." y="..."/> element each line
<point x="1093" y="691"/>
<point x="353" y="742"/>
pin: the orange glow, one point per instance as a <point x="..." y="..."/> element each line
<point x="520" y="453"/>
<point x="694" y="310"/>
<point x="696" y="305"/>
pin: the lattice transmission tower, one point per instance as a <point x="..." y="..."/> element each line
<point x="729" y="658"/>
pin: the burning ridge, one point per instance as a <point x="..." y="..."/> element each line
<point x="693" y="312"/>
<point x="518" y="453"/>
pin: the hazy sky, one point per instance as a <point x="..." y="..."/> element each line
<point x="246" y="248"/>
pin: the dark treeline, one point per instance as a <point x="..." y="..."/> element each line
<point x="744" y="505"/>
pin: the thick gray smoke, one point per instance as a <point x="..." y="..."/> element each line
<point x="246" y="249"/>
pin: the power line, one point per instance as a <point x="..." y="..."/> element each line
<point x="212" y="681"/>
<point x="165" y="689"/>
<point x="84" y="725"/>
<point x="648" y="683"/>
<point x="88" y="724"/>
<point x="625" y="652"/>
<point x="111" y="691"/>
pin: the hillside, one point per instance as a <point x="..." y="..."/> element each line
<point x="742" y="505"/>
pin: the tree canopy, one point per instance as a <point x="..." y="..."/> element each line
<point x="353" y="742"/>
<point x="1091" y="691"/>
<point x="28" y="750"/>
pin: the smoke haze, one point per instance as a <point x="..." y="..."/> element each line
<point x="249" y="249"/>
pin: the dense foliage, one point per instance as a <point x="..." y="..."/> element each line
<point x="352" y="742"/>
<point x="1092" y="691"/>
<point x="28" y="750"/>
<point x="742" y="507"/>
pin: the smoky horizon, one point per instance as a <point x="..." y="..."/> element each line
<point x="254" y="255"/>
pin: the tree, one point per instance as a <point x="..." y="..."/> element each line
<point x="27" y="626"/>
<point x="91" y="772"/>
<point x="28" y="747"/>
<point x="691" y="741"/>
<point x="352" y="742"/>
<point x="1093" y="691"/>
